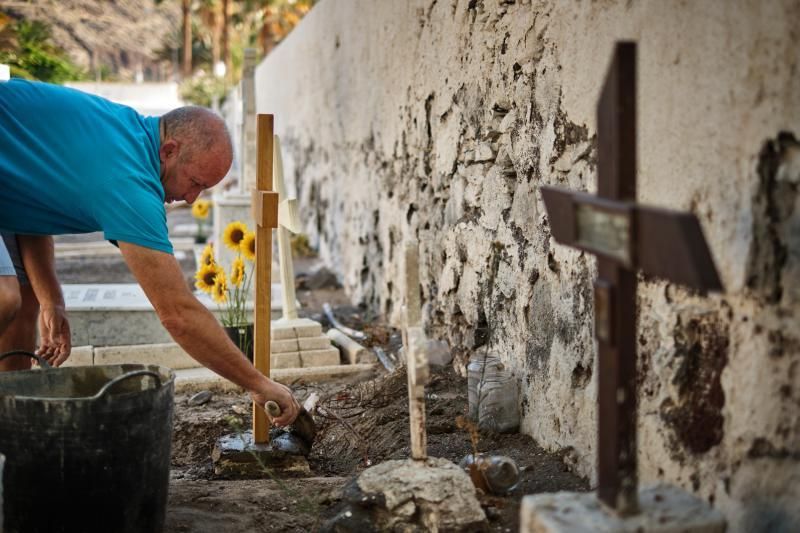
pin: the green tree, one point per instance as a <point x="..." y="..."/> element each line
<point x="26" y="46"/>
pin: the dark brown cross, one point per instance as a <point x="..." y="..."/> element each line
<point x="625" y="237"/>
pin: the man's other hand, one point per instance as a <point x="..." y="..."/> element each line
<point x="56" y="341"/>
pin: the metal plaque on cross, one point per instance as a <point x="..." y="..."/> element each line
<point x="626" y="238"/>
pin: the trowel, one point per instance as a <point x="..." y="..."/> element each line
<point x="299" y="436"/>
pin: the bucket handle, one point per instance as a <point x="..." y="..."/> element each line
<point x="41" y="360"/>
<point x="123" y="377"/>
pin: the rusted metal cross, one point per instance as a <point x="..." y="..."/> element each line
<point x="625" y="237"/>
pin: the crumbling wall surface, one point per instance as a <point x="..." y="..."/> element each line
<point x="440" y="120"/>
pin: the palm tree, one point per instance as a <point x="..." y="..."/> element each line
<point x="186" y="14"/>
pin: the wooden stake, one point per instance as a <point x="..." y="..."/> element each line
<point x="265" y="210"/>
<point x="416" y="358"/>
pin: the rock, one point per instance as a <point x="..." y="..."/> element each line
<point x="201" y="398"/>
<point x="321" y="278"/>
<point x="484" y="153"/>
<point x="408" y="495"/>
<point x="438" y="352"/>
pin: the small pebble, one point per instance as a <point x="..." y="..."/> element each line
<point x="200" y="398"/>
<point x="239" y="410"/>
<point x="492" y="513"/>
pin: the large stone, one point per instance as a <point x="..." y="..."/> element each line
<point x="663" y="509"/>
<point x="409" y="495"/>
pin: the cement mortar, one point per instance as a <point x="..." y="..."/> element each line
<point x="439" y="120"/>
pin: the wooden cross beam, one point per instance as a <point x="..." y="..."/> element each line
<point x="625" y="237"/>
<point x="265" y="213"/>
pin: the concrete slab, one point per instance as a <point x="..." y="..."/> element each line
<point x="167" y="354"/>
<point x="237" y="454"/>
<point x="317" y="358"/>
<point x="197" y="379"/>
<point x="284" y="360"/>
<point x="664" y="509"/>
<point x="321" y="342"/>
<point x="295" y="329"/>
<point x="103" y="248"/>
<point x="121" y="314"/>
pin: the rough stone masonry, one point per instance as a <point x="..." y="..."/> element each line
<point x="440" y="119"/>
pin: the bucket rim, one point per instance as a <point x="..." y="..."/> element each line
<point x="161" y="370"/>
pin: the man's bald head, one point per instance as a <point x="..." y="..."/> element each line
<point x="195" y="152"/>
<point x="198" y="129"/>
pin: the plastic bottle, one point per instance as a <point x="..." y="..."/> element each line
<point x="492" y="394"/>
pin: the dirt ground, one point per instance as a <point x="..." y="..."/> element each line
<point x="375" y="409"/>
<point x="377" y="413"/>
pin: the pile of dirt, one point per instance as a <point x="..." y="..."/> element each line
<point x="360" y="424"/>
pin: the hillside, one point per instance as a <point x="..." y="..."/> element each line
<point x="120" y="36"/>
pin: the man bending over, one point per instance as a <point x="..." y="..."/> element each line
<point x="71" y="162"/>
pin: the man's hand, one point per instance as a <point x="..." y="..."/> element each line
<point x="56" y="342"/>
<point x="282" y="395"/>
<point x="197" y="331"/>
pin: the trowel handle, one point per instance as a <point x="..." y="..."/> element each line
<point x="272" y="408"/>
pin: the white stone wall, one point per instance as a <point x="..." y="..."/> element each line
<point x="440" y="119"/>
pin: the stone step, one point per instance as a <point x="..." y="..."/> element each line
<point x="120" y="314"/>
<point x="305" y="359"/>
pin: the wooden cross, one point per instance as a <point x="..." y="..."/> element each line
<point x="265" y="213"/>
<point x="417" y="369"/>
<point x="625" y="237"/>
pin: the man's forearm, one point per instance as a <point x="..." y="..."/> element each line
<point x="197" y="331"/>
<point x="38" y="257"/>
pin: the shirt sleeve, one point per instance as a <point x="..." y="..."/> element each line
<point x="132" y="210"/>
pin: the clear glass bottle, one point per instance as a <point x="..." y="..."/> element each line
<point x="497" y="474"/>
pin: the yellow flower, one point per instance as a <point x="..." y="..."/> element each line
<point x="206" y="276"/>
<point x="237" y="271"/>
<point x="248" y="245"/>
<point x="219" y="292"/>
<point x="207" y="256"/>
<point x="234" y="234"/>
<point x="200" y="209"/>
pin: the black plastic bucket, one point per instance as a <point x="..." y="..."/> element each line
<point x="87" y="448"/>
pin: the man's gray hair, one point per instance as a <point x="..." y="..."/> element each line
<point x="197" y="127"/>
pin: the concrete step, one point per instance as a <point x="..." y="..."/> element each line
<point x="120" y="314"/>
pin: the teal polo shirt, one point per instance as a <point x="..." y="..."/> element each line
<point x="71" y="162"/>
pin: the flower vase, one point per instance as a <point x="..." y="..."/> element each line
<point x="242" y="337"/>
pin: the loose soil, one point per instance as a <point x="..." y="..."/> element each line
<point x="376" y="414"/>
<point x="375" y="429"/>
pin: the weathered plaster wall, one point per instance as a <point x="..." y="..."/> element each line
<point x="440" y="119"/>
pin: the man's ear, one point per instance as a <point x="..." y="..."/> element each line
<point x="169" y="148"/>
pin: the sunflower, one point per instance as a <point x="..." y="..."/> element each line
<point x="219" y="292"/>
<point x="206" y="276"/>
<point x="200" y="209"/>
<point x="248" y="245"/>
<point x="233" y="234"/>
<point x="207" y="256"/>
<point x="237" y="271"/>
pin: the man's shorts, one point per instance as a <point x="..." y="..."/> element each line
<point x="10" y="260"/>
